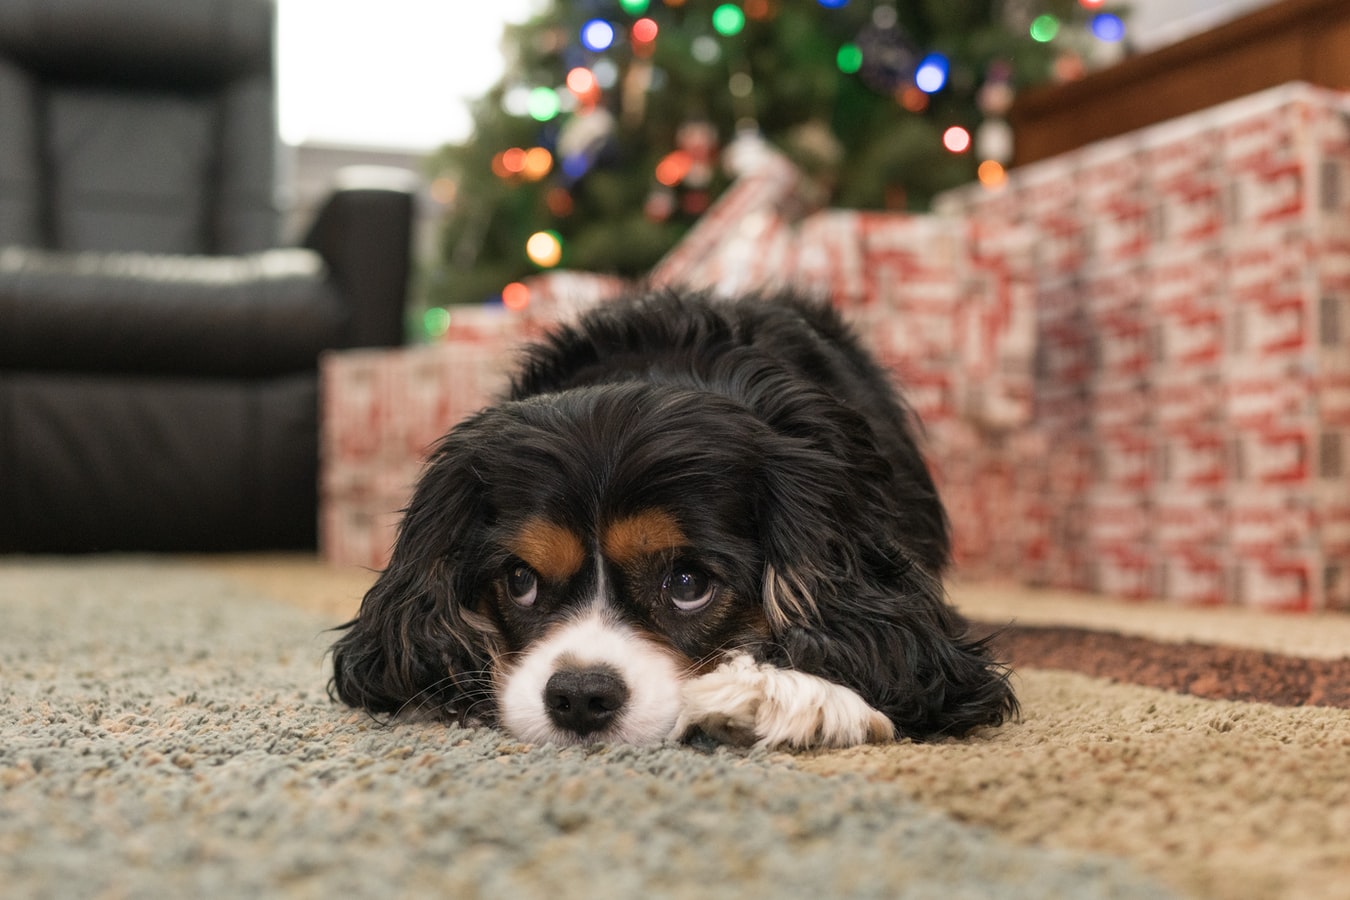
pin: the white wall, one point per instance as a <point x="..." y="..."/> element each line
<point x="1154" y="23"/>
<point x="387" y="73"/>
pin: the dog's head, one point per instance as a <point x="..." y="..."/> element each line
<point x="569" y="560"/>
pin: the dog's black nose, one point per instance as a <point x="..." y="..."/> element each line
<point x="584" y="700"/>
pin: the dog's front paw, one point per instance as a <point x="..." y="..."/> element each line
<point x="723" y="704"/>
<point x="744" y="702"/>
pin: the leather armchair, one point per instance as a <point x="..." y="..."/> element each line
<point x="158" y="350"/>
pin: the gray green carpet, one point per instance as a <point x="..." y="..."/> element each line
<point x="166" y="733"/>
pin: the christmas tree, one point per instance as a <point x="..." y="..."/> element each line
<point x="601" y="145"/>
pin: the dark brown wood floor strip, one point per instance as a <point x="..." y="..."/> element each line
<point x="1202" y="670"/>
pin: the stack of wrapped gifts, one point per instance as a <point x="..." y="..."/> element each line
<point x="1192" y="382"/>
<point x="1132" y="362"/>
<point x="384" y="410"/>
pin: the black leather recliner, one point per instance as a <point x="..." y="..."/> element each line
<point x="158" y="352"/>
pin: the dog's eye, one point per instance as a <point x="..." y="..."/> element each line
<point x="688" y="587"/>
<point x="523" y="585"/>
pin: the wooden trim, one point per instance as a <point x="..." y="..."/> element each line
<point x="1296" y="40"/>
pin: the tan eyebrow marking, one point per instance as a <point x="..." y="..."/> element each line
<point x="650" y="531"/>
<point x="550" y="549"/>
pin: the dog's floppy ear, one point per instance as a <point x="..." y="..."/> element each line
<point x="852" y="587"/>
<point x="414" y="643"/>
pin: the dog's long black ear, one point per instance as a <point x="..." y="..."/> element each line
<point x="414" y="643"/>
<point x="852" y="587"/>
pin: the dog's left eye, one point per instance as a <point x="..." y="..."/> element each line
<point x="689" y="588"/>
<point x="523" y="585"/>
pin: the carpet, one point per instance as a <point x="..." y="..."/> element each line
<point x="165" y="732"/>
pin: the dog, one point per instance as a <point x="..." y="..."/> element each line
<point x="688" y="516"/>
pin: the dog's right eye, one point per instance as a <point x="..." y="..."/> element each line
<point x="523" y="585"/>
<point x="689" y="588"/>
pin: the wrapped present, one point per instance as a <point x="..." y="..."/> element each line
<point x="1133" y="362"/>
<point x="1191" y="292"/>
<point x="563" y="295"/>
<point x="724" y="247"/>
<point x="383" y="410"/>
<point x="951" y="316"/>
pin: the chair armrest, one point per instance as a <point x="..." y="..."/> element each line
<point x="259" y="315"/>
<point x="364" y="234"/>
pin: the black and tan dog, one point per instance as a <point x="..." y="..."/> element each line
<point x="688" y="515"/>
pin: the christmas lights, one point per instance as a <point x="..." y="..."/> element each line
<point x="1108" y="27"/>
<point x="605" y="107"/>
<point x="538" y="163"/>
<point x="544" y="248"/>
<point x="931" y="75"/>
<point x="436" y="321"/>
<point x="516" y="296"/>
<point x="597" y="35"/>
<point x="992" y="174"/>
<point x="513" y="160"/>
<point x="705" y="49"/>
<point x="581" y="81"/>
<point x="559" y="202"/>
<point x="544" y="104"/>
<point x="644" y="31"/>
<point x="956" y="139"/>
<point x="1044" y="28"/>
<point x="673" y="167"/>
<point x="728" y="20"/>
<point x="849" y="59"/>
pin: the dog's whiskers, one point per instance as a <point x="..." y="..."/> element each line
<point x="696" y="666"/>
<point x="469" y="690"/>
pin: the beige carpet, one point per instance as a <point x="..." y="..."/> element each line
<point x="1218" y="798"/>
<point x="165" y="733"/>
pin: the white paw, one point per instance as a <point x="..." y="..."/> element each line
<point x="744" y="702"/>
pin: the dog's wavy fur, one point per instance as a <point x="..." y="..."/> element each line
<point x="783" y="449"/>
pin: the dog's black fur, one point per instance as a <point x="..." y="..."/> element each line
<point x="787" y="459"/>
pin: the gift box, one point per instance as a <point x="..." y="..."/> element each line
<point x="384" y="410"/>
<point x="1191" y="289"/>
<point x="951" y="316"/>
<point x="1132" y="362"/>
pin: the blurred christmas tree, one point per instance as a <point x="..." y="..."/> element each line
<point x="602" y="144"/>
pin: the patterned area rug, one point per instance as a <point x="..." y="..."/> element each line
<point x="166" y="732"/>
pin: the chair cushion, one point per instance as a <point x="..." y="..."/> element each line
<point x="128" y="171"/>
<point x="157" y="463"/>
<point x="21" y="196"/>
<point x="138" y="125"/>
<point x="263" y="314"/>
<point x="192" y="43"/>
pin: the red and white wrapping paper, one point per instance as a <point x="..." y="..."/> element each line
<point x="383" y="410"/>
<point x="1133" y="363"/>
<point x="950" y="315"/>
<point x="1191" y="302"/>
